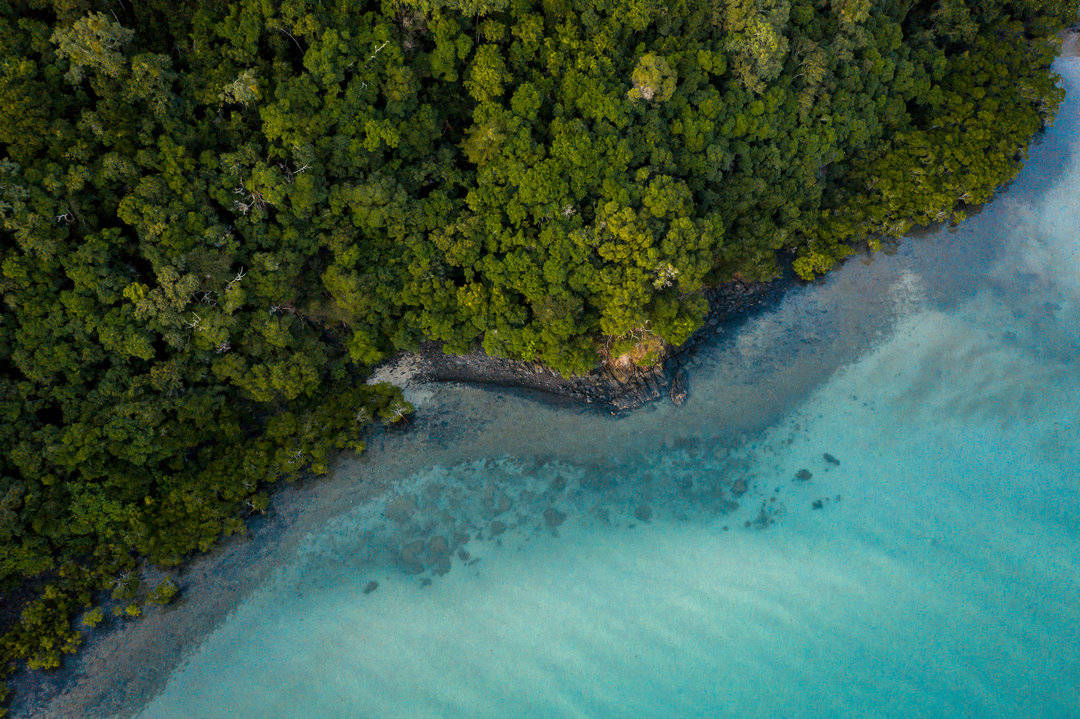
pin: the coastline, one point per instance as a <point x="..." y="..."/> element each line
<point x="214" y="584"/>
<point x="846" y="303"/>
<point x="729" y="304"/>
<point x="767" y="368"/>
<point x="231" y="559"/>
<point x="123" y="663"/>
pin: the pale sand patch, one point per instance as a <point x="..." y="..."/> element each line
<point x="405" y="372"/>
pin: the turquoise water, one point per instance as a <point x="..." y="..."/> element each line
<point x="710" y="559"/>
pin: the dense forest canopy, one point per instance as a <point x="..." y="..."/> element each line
<point x="216" y="216"/>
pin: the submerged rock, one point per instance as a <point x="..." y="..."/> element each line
<point x="431" y="493"/>
<point x="602" y="514"/>
<point x="495" y="501"/>
<point x="412" y="556"/>
<point x="553" y="517"/>
<point x="435" y="552"/>
<point x="738" y="487"/>
<point x="496" y="528"/>
<point x="677" y="390"/>
<point x="765" y="518"/>
<point x="831" y="459"/>
<point x="804" y="475"/>
<point x="438" y="547"/>
<point x="400" y="509"/>
<point x="643" y="512"/>
<point x="438" y="551"/>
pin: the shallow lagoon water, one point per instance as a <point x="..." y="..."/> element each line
<point x="710" y="559"/>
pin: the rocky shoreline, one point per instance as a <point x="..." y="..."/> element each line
<point x="728" y="303"/>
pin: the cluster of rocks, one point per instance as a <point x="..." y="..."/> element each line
<point x="426" y="526"/>
<point x="603" y="387"/>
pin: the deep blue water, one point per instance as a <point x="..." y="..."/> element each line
<point x="680" y="561"/>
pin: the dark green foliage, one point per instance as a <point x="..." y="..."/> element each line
<point x="166" y="349"/>
<point x="163" y="593"/>
<point x="216" y="216"/>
